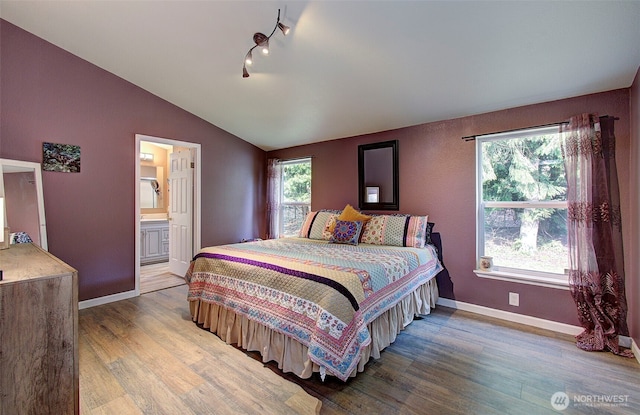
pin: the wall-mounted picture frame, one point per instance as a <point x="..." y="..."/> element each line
<point x="61" y="157"/>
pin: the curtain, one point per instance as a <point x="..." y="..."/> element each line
<point x="596" y="271"/>
<point x="274" y="175"/>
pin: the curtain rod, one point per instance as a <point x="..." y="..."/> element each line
<point x="294" y="159"/>
<point x="473" y="137"/>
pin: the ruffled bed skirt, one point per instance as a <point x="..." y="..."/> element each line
<point x="290" y="354"/>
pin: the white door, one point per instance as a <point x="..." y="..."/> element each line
<point x="180" y="211"/>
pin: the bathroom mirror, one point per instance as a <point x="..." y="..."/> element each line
<point x="21" y="187"/>
<point x="151" y="178"/>
<point x="378" y="187"/>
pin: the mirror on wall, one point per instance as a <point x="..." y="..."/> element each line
<point x="151" y="187"/>
<point x="378" y="185"/>
<point x="21" y="188"/>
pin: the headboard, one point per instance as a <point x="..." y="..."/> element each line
<point x="445" y="285"/>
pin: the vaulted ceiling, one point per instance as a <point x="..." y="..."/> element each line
<point x="347" y="67"/>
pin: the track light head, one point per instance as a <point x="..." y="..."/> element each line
<point x="285" y="29"/>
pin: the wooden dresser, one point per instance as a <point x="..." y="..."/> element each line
<point x="38" y="333"/>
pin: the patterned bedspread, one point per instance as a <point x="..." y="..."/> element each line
<point x="321" y="294"/>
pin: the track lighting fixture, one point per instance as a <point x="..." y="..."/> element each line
<point x="262" y="42"/>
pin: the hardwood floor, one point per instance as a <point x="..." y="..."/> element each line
<point x="455" y="362"/>
<point x="157" y="277"/>
<point x="146" y="356"/>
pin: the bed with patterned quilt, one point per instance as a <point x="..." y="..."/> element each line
<point x="325" y="301"/>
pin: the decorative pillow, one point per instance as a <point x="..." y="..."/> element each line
<point x="346" y="232"/>
<point x="373" y="232"/>
<point x="306" y="225"/>
<point x="385" y="230"/>
<point x="319" y="228"/>
<point x="351" y="214"/>
<point x="416" y="231"/>
<point x="327" y="232"/>
<point x="396" y="230"/>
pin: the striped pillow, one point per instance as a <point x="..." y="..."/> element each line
<point x="395" y="230"/>
<point x="317" y="224"/>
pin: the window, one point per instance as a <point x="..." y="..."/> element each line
<point x="522" y="208"/>
<point x="295" y="195"/>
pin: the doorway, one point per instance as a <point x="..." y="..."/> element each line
<point x="153" y="200"/>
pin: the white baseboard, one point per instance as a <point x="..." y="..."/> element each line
<point x="107" y="299"/>
<point x="513" y="317"/>
<point x="623" y="341"/>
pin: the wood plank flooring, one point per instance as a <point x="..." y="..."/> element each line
<point x="455" y="362"/>
<point x="157" y="277"/>
<point x="146" y="356"/>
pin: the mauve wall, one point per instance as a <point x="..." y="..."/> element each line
<point x="634" y="269"/>
<point x="50" y="95"/>
<point x="437" y="177"/>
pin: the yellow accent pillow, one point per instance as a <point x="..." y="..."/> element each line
<point x="350" y="214"/>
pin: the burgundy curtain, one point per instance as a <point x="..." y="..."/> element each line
<point x="274" y="174"/>
<point x="596" y="274"/>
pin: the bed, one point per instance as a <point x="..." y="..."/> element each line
<point x="312" y="303"/>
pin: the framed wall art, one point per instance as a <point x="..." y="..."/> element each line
<point x="61" y="157"/>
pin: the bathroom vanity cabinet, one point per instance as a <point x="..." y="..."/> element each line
<point x="154" y="241"/>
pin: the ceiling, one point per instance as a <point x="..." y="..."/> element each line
<point x="347" y="67"/>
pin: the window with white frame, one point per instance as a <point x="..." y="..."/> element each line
<point x="295" y="195"/>
<point x="521" y="205"/>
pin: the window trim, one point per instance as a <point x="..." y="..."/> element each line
<point x="523" y="276"/>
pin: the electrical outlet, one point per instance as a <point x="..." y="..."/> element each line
<point x="514" y="299"/>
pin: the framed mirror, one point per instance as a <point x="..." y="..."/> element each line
<point x="151" y="179"/>
<point x="378" y="184"/>
<point x="21" y="188"/>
